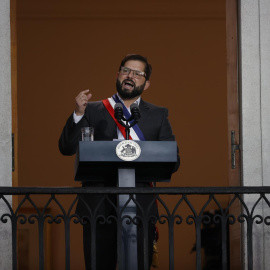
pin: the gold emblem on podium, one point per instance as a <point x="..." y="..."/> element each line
<point x="128" y="150"/>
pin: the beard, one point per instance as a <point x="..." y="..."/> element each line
<point x="127" y="94"/>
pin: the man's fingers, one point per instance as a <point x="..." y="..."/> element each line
<point x="82" y="97"/>
<point x="89" y="96"/>
<point x="83" y="92"/>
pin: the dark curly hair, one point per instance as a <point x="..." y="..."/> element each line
<point x="148" y="67"/>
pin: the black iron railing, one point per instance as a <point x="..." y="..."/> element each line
<point x="210" y="210"/>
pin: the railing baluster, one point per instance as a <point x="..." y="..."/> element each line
<point x="224" y="229"/>
<point x="145" y="244"/>
<point x="93" y="223"/>
<point x="119" y="240"/>
<point x="14" y="243"/>
<point x="67" y="242"/>
<point x="171" y="241"/>
<point x="250" y="242"/>
<point x="41" y="242"/>
<point x="198" y="243"/>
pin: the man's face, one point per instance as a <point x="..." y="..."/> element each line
<point x="130" y="86"/>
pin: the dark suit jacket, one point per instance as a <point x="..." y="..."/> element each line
<point x="153" y="123"/>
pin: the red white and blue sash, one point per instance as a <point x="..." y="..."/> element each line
<point x="135" y="132"/>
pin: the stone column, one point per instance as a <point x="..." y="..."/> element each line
<point x="254" y="81"/>
<point x="5" y="130"/>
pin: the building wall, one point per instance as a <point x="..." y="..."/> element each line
<point x="5" y="128"/>
<point x="254" y="81"/>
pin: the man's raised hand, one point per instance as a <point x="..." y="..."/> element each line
<point x="81" y="102"/>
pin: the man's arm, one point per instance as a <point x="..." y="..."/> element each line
<point x="166" y="134"/>
<point x="71" y="133"/>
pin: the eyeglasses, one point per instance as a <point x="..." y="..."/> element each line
<point x="136" y="73"/>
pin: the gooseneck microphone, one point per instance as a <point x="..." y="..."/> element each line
<point x="135" y="115"/>
<point x="135" y="112"/>
<point x="118" y="111"/>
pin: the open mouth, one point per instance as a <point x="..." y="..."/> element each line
<point x="128" y="84"/>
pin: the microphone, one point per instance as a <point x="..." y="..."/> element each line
<point x="118" y="111"/>
<point x="135" y="111"/>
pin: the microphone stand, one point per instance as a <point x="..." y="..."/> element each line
<point x="127" y="126"/>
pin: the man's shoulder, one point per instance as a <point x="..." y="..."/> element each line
<point x="95" y="104"/>
<point x="94" y="107"/>
<point x="152" y="106"/>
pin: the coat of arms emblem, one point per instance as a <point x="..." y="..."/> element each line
<point x="128" y="150"/>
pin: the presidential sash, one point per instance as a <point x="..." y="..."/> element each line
<point x="135" y="132"/>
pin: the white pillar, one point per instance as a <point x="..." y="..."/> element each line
<point x="5" y="129"/>
<point x="254" y="80"/>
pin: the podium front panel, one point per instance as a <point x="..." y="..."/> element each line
<point x="97" y="160"/>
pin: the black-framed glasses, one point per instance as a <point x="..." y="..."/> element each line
<point x="136" y="73"/>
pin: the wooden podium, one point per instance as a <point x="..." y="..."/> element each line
<point x="98" y="160"/>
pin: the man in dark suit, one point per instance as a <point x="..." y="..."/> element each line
<point x="132" y="79"/>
